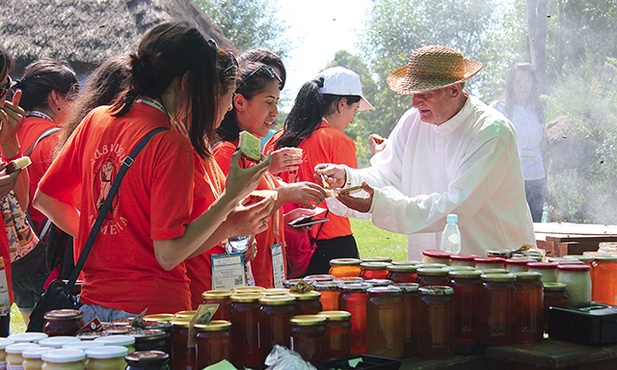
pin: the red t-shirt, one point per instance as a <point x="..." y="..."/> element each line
<point x="30" y="130"/>
<point x="154" y="202"/>
<point x="325" y="145"/>
<point x="5" y="253"/>
<point x="262" y="264"/>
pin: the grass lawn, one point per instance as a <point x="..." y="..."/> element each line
<point x="372" y="242"/>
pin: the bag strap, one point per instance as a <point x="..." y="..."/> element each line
<point x="126" y="163"/>
<point x="43" y="136"/>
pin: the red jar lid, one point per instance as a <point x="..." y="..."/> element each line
<point x="493" y="260"/>
<point x="464" y="257"/>
<point x="574" y="268"/>
<point x="436" y="253"/>
<point x="519" y="261"/>
<point x="543" y="265"/>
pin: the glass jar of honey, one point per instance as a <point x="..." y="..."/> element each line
<point x="547" y="269"/>
<point x="106" y="358"/>
<point x="166" y="327"/>
<point x="274" y="327"/>
<point x="345" y="267"/>
<point x="182" y="315"/>
<point x="353" y="300"/>
<point x="467" y="293"/>
<point x="604" y="287"/>
<point x="374" y="270"/>
<point x="436" y="318"/>
<point x="496" y="310"/>
<point x="411" y="299"/>
<point x="435" y="256"/>
<point x="64" y="359"/>
<point x="275" y="291"/>
<point x="220" y="297"/>
<point x="182" y="356"/>
<point x="337" y="335"/>
<point x="432" y="276"/>
<point x="555" y="295"/>
<point x="308" y="303"/>
<point x="487" y="263"/>
<point x="248" y="289"/>
<point x="402" y="273"/>
<point x="63" y="322"/>
<point x="578" y="283"/>
<point x="385" y="336"/>
<point x="244" y="313"/>
<point x="528" y="308"/>
<point x="149" y="360"/>
<point x="463" y="260"/>
<point x="329" y="294"/>
<point x="307" y="337"/>
<point x="212" y="343"/>
<point x="148" y="339"/>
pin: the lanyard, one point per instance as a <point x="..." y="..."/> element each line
<point x="38" y="114"/>
<point x="179" y="126"/>
<point x="215" y="183"/>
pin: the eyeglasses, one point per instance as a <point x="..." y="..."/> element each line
<point x="234" y="61"/>
<point x="5" y="89"/>
<point x="269" y="71"/>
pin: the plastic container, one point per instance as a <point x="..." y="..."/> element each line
<point x="337" y="335"/>
<point x="345" y="267"/>
<point x="63" y="322"/>
<point x="436" y="318"/>
<point x="604" y="278"/>
<point x="353" y="299"/>
<point x="518" y="264"/>
<point x="529" y="308"/>
<point x="220" y="297"/>
<point x="385" y="336"/>
<point x="14" y="359"/>
<point x="64" y="359"/>
<point x="118" y="340"/>
<point x="463" y="260"/>
<point x="212" y="343"/>
<point x="4" y="342"/>
<point x="496" y="310"/>
<point x="435" y="256"/>
<point x="374" y="270"/>
<point x="308" y="337"/>
<point x="27" y="337"/>
<point x="244" y="313"/>
<point x="486" y="263"/>
<point x="578" y="283"/>
<point x="451" y="236"/>
<point x="32" y="358"/>
<point x="106" y="358"/>
<point x="547" y="269"/>
<point x="57" y="342"/>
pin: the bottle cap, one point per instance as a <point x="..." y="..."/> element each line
<point x="452" y="218"/>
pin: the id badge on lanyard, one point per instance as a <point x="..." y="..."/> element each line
<point x="228" y="271"/>
<point x="278" y="264"/>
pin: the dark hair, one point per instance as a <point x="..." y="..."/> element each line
<point x="307" y="113"/>
<point x="253" y="78"/>
<point x="41" y="78"/>
<point x="266" y="57"/>
<point x="6" y="61"/>
<point x="102" y="87"/>
<point x="534" y="96"/>
<point x="169" y="51"/>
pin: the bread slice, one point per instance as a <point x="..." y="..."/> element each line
<point x="250" y="146"/>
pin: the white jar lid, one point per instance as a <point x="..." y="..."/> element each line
<point x="107" y="352"/>
<point x="64" y="355"/>
<point x="4" y="342"/>
<point x="35" y="352"/>
<point x="20" y="347"/>
<point x="27" y="337"/>
<point x="58" y="342"/>
<point x="119" y="340"/>
<point x="83" y="345"/>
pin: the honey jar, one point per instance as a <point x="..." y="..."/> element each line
<point x="528" y="308"/>
<point x="307" y="337"/>
<point x="402" y="273"/>
<point x="487" y="263"/>
<point x="32" y="358"/>
<point x="410" y="308"/>
<point x="308" y="303"/>
<point x="463" y="260"/>
<point x="496" y="310"/>
<point x="212" y="343"/>
<point x="385" y="336"/>
<point x="150" y="360"/>
<point x="220" y="297"/>
<point x="337" y="335"/>
<point x="467" y="294"/>
<point x="64" y="359"/>
<point x="353" y="299"/>
<point x="182" y="357"/>
<point x="274" y="327"/>
<point x="374" y="270"/>
<point x="329" y="294"/>
<point x="244" y="315"/>
<point x="436" y="317"/>
<point x="435" y="256"/>
<point x="432" y="276"/>
<point x="63" y="322"/>
<point x="345" y="267"/>
<point x="106" y="358"/>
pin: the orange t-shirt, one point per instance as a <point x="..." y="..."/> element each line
<point x="325" y="145"/>
<point x="30" y="129"/>
<point x="154" y="202"/>
<point x="262" y="264"/>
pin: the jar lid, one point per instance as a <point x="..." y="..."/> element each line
<point x="126" y="321"/>
<point x="118" y="340"/>
<point x="214" y="325"/>
<point x="188" y="313"/>
<point x="355" y="287"/>
<point x="107" y="352"/>
<point x="117" y="330"/>
<point x="374" y="265"/>
<point x="335" y="315"/>
<point x="248" y="289"/>
<point x="391" y="290"/>
<point x="326" y="285"/>
<point x="489" y="260"/>
<point x="35" y="352"/>
<point x="605" y="259"/>
<point x="436" y="290"/>
<point x="377" y="259"/>
<point x="563" y="260"/>
<point x="433" y="271"/>
<point x="349" y="279"/>
<point x="63" y="315"/>
<point x="58" y="342"/>
<point x="461" y="268"/>
<point x="147" y="356"/>
<point x="162" y="325"/>
<point x="436" y="253"/>
<point x="519" y="261"/>
<point x="474" y="274"/>
<point x="402" y="268"/>
<point x="160" y="317"/>
<point x="277" y="300"/>
<point x="245" y="297"/>
<point x="574" y="268"/>
<point x="554" y="286"/>
<point x="146" y="335"/>
<point x="64" y="356"/>
<point x="498" y="253"/>
<point x="307" y="320"/>
<point x="89" y="336"/>
<point x="308" y="296"/>
<point x="463" y="257"/>
<point x="275" y="291"/>
<point x="319" y="278"/>
<point x="498" y="278"/>
<point x="407" y="287"/>
<point x="4" y="342"/>
<point x="542" y="265"/>
<point x="494" y="271"/>
<point x="378" y="282"/>
<point x="19" y="347"/>
<point x="433" y="266"/>
<point x="345" y="262"/>
<point x="528" y="276"/>
<point x="216" y="294"/>
<point x="406" y="262"/>
<point x="83" y="345"/>
<point x="183" y="322"/>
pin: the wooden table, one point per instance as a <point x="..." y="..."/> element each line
<point x="562" y="238"/>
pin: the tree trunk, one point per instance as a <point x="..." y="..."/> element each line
<point x="537" y="31"/>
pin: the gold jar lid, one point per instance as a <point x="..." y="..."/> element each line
<point x="160" y="317"/>
<point x="216" y="294"/>
<point x="465" y="274"/>
<point x="308" y="296"/>
<point x="377" y="259"/>
<point x="345" y="262"/>
<point x="277" y="300"/>
<point x="163" y="325"/>
<point x="248" y="289"/>
<point x="214" y="325"/>
<point x="307" y="320"/>
<point x="181" y="321"/>
<point x="552" y="286"/>
<point x="374" y="265"/>
<point x="528" y="276"/>
<point x="402" y="268"/>
<point x="336" y="315"/>
<point x="147" y="335"/>
<point x="498" y="278"/>
<point x="275" y="291"/>
<point x="245" y="297"/>
<point x="433" y="271"/>
<point x="188" y="313"/>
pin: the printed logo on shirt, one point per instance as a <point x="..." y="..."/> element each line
<point x="106" y="163"/>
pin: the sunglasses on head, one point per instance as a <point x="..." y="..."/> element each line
<point x="234" y="61"/>
<point x="5" y="89"/>
<point x="269" y="71"/>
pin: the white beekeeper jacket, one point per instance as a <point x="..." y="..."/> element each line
<point x="469" y="165"/>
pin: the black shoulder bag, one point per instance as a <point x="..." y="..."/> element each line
<point x="59" y="294"/>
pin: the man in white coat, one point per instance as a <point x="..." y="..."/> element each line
<point x="450" y="153"/>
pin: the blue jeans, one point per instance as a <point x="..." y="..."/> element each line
<point x="105" y="314"/>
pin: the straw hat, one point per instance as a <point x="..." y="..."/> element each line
<point x="430" y="68"/>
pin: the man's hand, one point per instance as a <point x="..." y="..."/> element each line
<point x="359" y="204"/>
<point x="330" y="175"/>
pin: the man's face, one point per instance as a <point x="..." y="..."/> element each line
<point x="437" y="106"/>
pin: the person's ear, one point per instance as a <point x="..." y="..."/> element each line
<point x="455" y="90"/>
<point x="240" y="102"/>
<point x="342" y="104"/>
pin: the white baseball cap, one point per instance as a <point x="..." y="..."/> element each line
<point x="342" y="81"/>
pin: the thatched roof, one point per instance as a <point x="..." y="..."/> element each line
<point x="86" y="32"/>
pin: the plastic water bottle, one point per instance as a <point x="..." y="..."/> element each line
<point x="544" y="213"/>
<point x="451" y="236"/>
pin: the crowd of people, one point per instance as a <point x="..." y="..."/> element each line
<point x="187" y="195"/>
